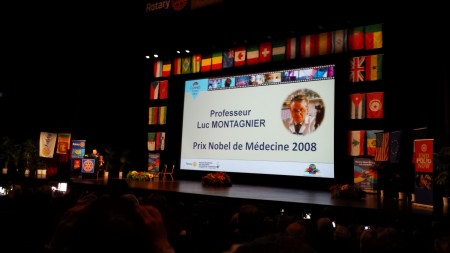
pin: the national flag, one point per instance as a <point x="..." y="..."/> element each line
<point x="356" y="142"/>
<point x="63" y="143"/>
<point x="374" y="64"/>
<point x="382" y="148"/>
<point x="162" y="115"/>
<point x="357" y="67"/>
<point x="162" y="140"/>
<point x="356" y="38"/>
<point x="307" y="43"/>
<point x="163" y="89"/>
<point x="228" y="58"/>
<point x="291" y="48"/>
<point x="373" y="36"/>
<point x="154" y="90"/>
<point x="177" y="66"/>
<point x="157" y="68"/>
<point x="239" y="56"/>
<point x="371" y="141"/>
<point x="153" y="115"/>
<point x="252" y="55"/>
<point x="374" y="105"/>
<point x="358" y="106"/>
<point x="339" y="41"/>
<point x="186" y="67"/>
<point x="158" y="141"/>
<point x="151" y="141"/>
<point x="206" y="63"/>
<point x="279" y="50"/>
<point x="47" y="143"/>
<point x="265" y="52"/>
<point x="394" y="146"/>
<point x="196" y="63"/>
<point x="167" y="67"/>
<point x="216" y="61"/>
<point x="323" y="43"/>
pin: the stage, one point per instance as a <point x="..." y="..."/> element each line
<point x="291" y="200"/>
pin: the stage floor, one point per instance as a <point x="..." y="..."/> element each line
<point x="291" y="196"/>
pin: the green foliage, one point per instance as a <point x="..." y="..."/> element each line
<point x="9" y="152"/>
<point x="441" y="164"/>
<point x="20" y="155"/>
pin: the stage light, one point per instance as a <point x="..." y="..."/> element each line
<point x="62" y="187"/>
<point x="187" y="51"/>
<point x="155" y="55"/>
<point x="147" y="56"/>
<point x="178" y="52"/>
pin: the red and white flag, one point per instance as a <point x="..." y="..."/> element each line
<point x="307" y="46"/>
<point x="374" y="105"/>
<point x="356" y="142"/>
<point x="239" y="56"/>
<point x="265" y="52"/>
<point x="291" y="48"/>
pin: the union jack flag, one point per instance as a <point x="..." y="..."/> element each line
<point x="357" y="69"/>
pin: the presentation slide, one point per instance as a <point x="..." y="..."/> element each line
<point x="275" y="123"/>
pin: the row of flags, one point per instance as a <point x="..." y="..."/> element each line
<point x="49" y="143"/>
<point x="306" y="46"/>
<point x="367" y="105"/>
<point x="156" y="141"/>
<point x="60" y="143"/>
<point x="159" y="90"/>
<point x="366" y="68"/>
<point x="157" y="115"/>
<point x="383" y="146"/>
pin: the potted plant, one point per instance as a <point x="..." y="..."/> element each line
<point x="108" y="156"/>
<point x="441" y="164"/>
<point x="9" y="152"/>
<point x="124" y="163"/>
<point x="6" y="146"/>
<point x="30" y="156"/>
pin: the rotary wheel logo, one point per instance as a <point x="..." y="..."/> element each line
<point x="88" y="166"/>
<point x="375" y="105"/>
<point x="178" y="5"/>
<point x="46" y="151"/>
<point x="423" y="148"/>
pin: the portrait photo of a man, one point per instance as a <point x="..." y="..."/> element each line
<point x="303" y="112"/>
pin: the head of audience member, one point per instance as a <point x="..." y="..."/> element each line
<point x="250" y="219"/>
<point x="297" y="229"/>
<point x="110" y="223"/>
